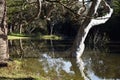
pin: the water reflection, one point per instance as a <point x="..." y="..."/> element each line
<point x="100" y="65"/>
<point x="58" y="64"/>
<point x="50" y="59"/>
<point x="81" y="66"/>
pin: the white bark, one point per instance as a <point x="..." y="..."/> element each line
<point x="39" y="2"/>
<point x="93" y="22"/>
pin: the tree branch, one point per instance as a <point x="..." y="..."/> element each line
<point x="39" y="8"/>
<point x="82" y="9"/>
<point x="39" y="5"/>
<point x="103" y="19"/>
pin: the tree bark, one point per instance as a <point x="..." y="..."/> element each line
<point x="3" y="33"/>
<point x="89" y="22"/>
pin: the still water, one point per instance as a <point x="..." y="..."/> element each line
<point x="50" y="58"/>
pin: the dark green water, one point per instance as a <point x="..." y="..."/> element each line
<point x="51" y="58"/>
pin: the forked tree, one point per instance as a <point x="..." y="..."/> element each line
<point x="92" y="18"/>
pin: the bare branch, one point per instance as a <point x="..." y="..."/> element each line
<point x="39" y="8"/>
<point x="103" y="19"/>
<point x="82" y="9"/>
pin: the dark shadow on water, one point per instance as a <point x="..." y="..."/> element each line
<point x="114" y="47"/>
<point x="7" y="78"/>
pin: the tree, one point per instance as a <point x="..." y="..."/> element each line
<point x="21" y="14"/>
<point x="3" y="33"/>
<point x="91" y="19"/>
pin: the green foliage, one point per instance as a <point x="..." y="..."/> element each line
<point x="21" y="12"/>
<point x="116" y="6"/>
<point x="13" y="8"/>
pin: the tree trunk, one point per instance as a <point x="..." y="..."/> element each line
<point x="20" y="28"/>
<point x="78" y="45"/>
<point x="3" y="33"/>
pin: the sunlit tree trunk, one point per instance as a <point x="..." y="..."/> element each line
<point x="89" y="22"/>
<point x="3" y="33"/>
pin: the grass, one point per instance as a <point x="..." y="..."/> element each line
<point x="24" y="36"/>
<point x="14" y="72"/>
<point x="53" y="37"/>
<point x="10" y="37"/>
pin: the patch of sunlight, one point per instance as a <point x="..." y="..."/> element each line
<point x="45" y="37"/>
<point x="17" y="37"/>
<point x="53" y="37"/>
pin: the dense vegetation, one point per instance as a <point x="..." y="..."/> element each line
<point x="55" y="18"/>
<point x="22" y="17"/>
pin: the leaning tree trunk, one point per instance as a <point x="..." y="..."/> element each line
<point x="3" y="33"/>
<point x="89" y="22"/>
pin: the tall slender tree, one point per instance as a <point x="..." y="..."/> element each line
<point x="3" y="33"/>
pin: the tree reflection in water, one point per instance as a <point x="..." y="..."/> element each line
<point x="58" y="64"/>
<point x="50" y="59"/>
<point x="81" y="66"/>
<point x="100" y="64"/>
